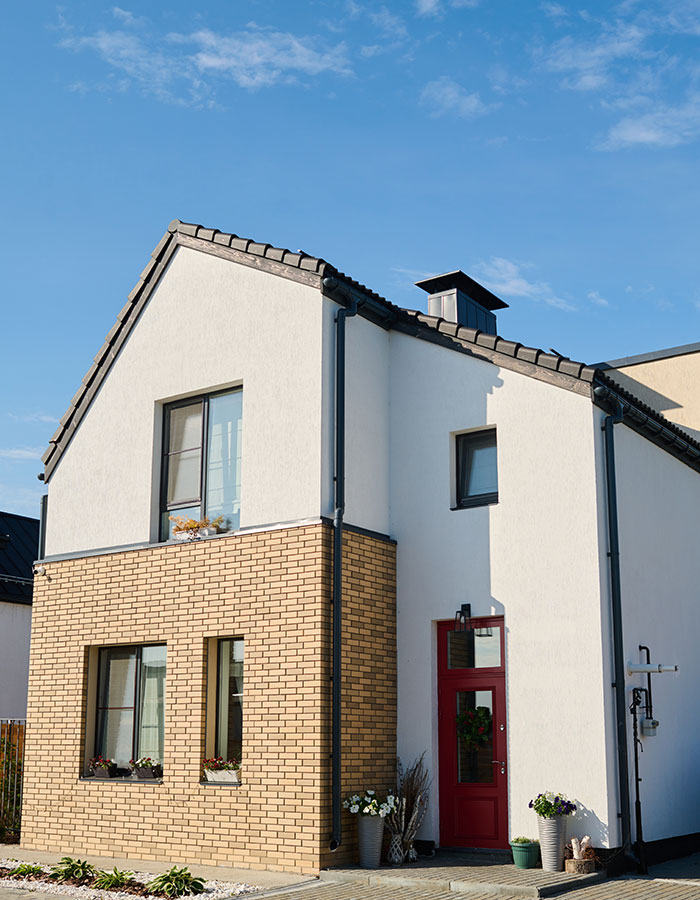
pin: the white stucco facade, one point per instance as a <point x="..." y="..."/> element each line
<point x="533" y="558"/>
<point x="208" y="325"/>
<point x="537" y="557"/>
<point x="659" y="515"/>
<point x="15" y="628"/>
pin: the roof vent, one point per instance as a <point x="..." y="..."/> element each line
<point x="456" y="297"/>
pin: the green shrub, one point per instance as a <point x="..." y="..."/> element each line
<point x="524" y="840"/>
<point x="109" y="881"/>
<point x="176" y="882"/>
<point x="69" y="868"/>
<point x="24" y="869"/>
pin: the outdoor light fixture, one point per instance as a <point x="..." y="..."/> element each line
<point x="463" y="618"/>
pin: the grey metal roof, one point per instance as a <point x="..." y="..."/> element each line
<point x="316" y="272"/>
<point x="653" y="356"/>
<point x="19" y="547"/>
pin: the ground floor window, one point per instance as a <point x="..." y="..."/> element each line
<point x="131" y="703"/>
<point x="229" y="699"/>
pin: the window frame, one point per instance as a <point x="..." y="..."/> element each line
<point x="165" y="454"/>
<point x="217" y="686"/>
<point x="99" y="687"/>
<point x="469" y="438"/>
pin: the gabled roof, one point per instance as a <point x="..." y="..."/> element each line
<point x="318" y="273"/>
<point x="19" y="547"/>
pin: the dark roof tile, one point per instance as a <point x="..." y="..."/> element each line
<point x="510" y="348"/>
<point x="487" y="340"/>
<point x="549" y="361"/>
<point x="529" y="354"/>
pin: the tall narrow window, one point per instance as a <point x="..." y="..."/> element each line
<point x="202" y="460"/>
<point x="131" y="703"/>
<point x="229" y="712"/>
<point x="477" y="469"/>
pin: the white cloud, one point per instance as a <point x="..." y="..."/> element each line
<point x="256" y="59"/>
<point x="664" y="126"/>
<point x="124" y="16"/>
<point x="554" y="11"/>
<point x="596" y="299"/>
<point x="184" y="68"/>
<point x="21" y="453"/>
<point x="22" y="501"/>
<point x="435" y="7"/>
<point x="505" y="278"/>
<point x="444" y="96"/>
<point x="34" y="417"/>
<point x="388" y="24"/>
<point x="587" y="65"/>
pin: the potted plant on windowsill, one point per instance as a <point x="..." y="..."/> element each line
<point x="145" y="767"/>
<point x="103" y="768"/>
<point x="222" y="771"/>
<point x="526" y="852"/>
<point x="193" y="529"/>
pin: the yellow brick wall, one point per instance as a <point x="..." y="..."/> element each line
<point x="271" y="588"/>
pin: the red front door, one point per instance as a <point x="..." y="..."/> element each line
<point x="472" y="735"/>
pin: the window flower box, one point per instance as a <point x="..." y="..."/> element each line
<point x="103" y="768"/>
<point x="222" y="771"/>
<point x="145" y="767"/>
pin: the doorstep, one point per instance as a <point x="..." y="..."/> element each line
<point x="465" y="874"/>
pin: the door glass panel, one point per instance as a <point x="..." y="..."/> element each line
<point x="479" y="648"/>
<point x="474" y="723"/>
<point x="185" y="427"/>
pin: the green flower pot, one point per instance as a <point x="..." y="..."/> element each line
<point x="525" y="856"/>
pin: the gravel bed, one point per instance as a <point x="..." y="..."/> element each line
<point x="213" y="890"/>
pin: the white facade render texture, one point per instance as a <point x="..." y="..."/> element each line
<point x="489" y="465"/>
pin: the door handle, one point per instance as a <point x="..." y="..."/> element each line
<point x="500" y="763"/>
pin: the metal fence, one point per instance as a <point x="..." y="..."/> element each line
<point x="11" y="771"/>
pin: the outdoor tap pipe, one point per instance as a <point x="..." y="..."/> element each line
<point x="644" y="668"/>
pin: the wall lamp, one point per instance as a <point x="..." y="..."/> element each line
<point x="463" y="618"/>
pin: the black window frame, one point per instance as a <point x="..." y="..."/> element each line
<point x="463" y="444"/>
<point x="217" y="714"/>
<point x="165" y="454"/>
<point x="99" y="697"/>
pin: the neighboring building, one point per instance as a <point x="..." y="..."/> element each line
<point x="264" y="386"/>
<point x="19" y="547"/>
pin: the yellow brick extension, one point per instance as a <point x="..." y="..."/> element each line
<point x="271" y="588"/>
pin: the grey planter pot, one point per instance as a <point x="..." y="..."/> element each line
<point x="552" y="842"/>
<point x="370" y="831"/>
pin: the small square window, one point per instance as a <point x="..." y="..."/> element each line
<point x="477" y="469"/>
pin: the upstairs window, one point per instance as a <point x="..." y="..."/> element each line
<point x="477" y="469"/>
<point x="202" y="460"/>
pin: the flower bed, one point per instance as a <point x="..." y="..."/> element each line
<point x="82" y="888"/>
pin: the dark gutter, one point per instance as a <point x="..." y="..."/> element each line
<point x="604" y="395"/>
<point x="43" y="506"/>
<point x="339" y="478"/>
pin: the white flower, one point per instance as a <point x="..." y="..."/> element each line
<point x="346" y="803"/>
<point x="369" y="793"/>
<point x="354" y="809"/>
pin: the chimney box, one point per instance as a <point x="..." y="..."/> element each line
<point x="456" y="297"/>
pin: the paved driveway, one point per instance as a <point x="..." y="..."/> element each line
<point x="615" y="889"/>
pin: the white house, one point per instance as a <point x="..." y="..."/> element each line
<point x="267" y="387"/>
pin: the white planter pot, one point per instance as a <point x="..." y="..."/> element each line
<point x="370" y="830"/>
<point x="552" y="842"/>
<point x="223" y="776"/>
<point x="187" y="535"/>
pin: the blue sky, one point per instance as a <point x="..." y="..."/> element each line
<point x="548" y="149"/>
